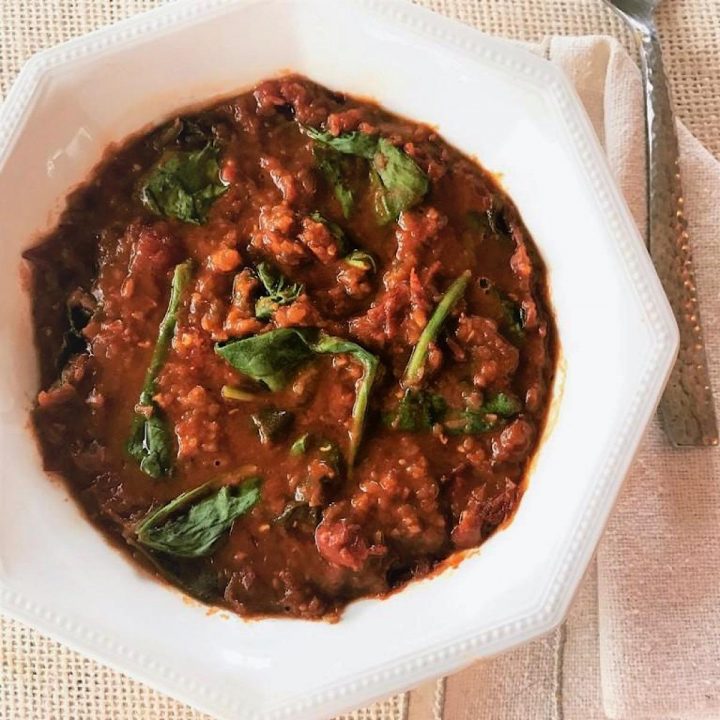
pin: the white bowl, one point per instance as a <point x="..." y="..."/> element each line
<point x="520" y="117"/>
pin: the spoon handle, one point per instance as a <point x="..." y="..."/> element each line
<point x="686" y="408"/>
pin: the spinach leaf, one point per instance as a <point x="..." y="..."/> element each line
<point x="191" y="524"/>
<point x="273" y="356"/>
<point x="279" y="291"/>
<point x="490" y="221"/>
<point x="352" y="143"/>
<point x="416" y="365"/>
<point x="512" y="319"/>
<point x="356" y="258"/>
<point x="265" y="307"/>
<point x="167" y="134"/>
<point x="485" y="418"/>
<point x="370" y="364"/>
<point x="270" y="358"/>
<point x="187" y="133"/>
<point x="190" y="574"/>
<point x="503" y="405"/>
<point x="298" y="512"/>
<point x="271" y="423"/>
<point x="402" y="184"/>
<point x="397" y="181"/>
<point x="323" y="473"/>
<point x="327" y="450"/>
<point x="361" y="259"/>
<point x="417" y="411"/>
<point x="380" y="206"/>
<point x="151" y="442"/>
<point x="336" y="231"/>
<point x="468" y="422"/>
<point x="184" y="184"/>
<point x="330" y="163"/>
<point x="420" y="410"/>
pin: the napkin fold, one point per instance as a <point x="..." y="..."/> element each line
<point x="642" y="640"/>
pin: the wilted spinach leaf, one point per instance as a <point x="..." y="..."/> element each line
<point x="417" y="411"/>
<point x="330" y="163"/>
<point x="361" y="259"/>
<point x="190" y="574"/>
<point x="329" y="453"/>
<point x="397" y="181"/>
<point x="402" y="183"/>
<point x="380" y="206"/>
<point x="370" y="364"/>
<point x="343" y="244"/>
<point x="191" y="524"/>
<point x="420" y="411"/>
<point x="298" y="512"/>
<point x="490" y="221"/>
<point x="271" y="423"/>
<point x="503" y="405"/>
<point x="279" y="291"/>
<point x="484" y="418"/>
<point x="352" y="143"/>
<point x="323" y="464"/>
<point x="184" y="184"/>
<point x="512" y="319"/>
<point x="151" y="442"/>
<point x="187" y="133"/>
<point x="270" y="358"/>
<point x="468" y="422"/>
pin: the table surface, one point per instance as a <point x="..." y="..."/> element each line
<point x="40" y="679"/>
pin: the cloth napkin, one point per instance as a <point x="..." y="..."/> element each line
<point x="642" y="640"/>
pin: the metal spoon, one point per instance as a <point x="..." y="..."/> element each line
<point x="686" y="409"/>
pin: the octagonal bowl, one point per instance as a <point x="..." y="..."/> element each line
<point x="519" y="116"/>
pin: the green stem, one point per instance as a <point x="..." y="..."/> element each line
<point x="150" y="441"/>
<point x="370" y="364"/>
<point x="416" y="365"/>
<point x="181" y="277"/>
<point x="359" y="410"/>
<point x="233" y="393"/>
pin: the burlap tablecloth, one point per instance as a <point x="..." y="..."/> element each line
<point x="41" y="680"/>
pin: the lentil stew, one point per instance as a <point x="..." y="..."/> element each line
<point x="294" y="350"/>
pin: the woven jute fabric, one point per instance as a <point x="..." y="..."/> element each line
<point x="690" y="33"/>
<point x="596" y="666"/>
